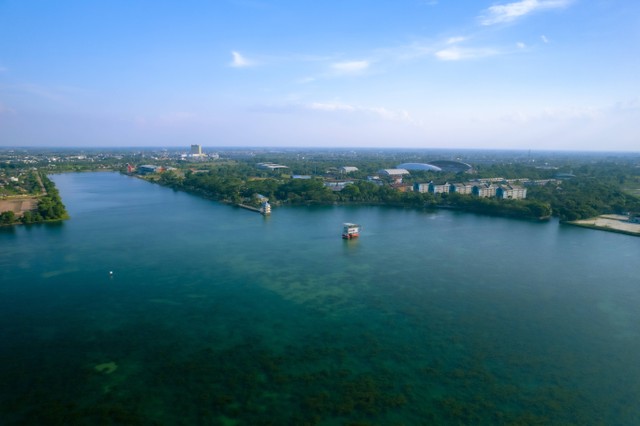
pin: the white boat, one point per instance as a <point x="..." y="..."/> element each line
<point x="350" y="230"/>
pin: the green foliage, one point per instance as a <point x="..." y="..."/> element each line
<point x="50" y="207"/>
<point x="597" y="188"/>
<point x="532" y="209"/>
<point x="585" y="197"/>
<point x="7" y="218"/>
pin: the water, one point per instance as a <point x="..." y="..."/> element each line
<point x="217" y="315"/>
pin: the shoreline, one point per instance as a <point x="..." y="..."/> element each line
<point x="610" y="223"/>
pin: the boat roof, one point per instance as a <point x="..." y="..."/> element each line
<point x="350" y="224"/>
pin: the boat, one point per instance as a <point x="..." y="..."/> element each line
<point x="350" y="230"/>
<point x="265" y="208"/>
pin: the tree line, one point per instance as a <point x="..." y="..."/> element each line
<point x="50" y="207"/>
<point x="231" y="186"/>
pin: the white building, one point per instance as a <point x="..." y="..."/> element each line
<point x="512" y="192"/>
<point x="348" y="169"/>
<point x="393" y="172"/>
<point x="461" y="188"/>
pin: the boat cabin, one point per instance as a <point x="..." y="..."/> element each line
<point x="350" y="230"/>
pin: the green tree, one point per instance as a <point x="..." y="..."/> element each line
<point x="7" y="218"/>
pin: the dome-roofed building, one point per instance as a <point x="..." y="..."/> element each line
<point x="451" y="166"/>
<point x="419" y="166"/>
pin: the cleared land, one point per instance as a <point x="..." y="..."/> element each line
<point x="610" y="222"/>
<point x="18" y="205"/>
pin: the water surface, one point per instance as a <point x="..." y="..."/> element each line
<point x="217" y="315"/>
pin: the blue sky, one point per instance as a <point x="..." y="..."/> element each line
<point x="524" y="74"/>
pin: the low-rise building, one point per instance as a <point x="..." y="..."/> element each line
<point x="337" y="185"/>
<point x="393" y="172"/>
<point x="484" y="190"/>
<point x="435" y="188"/>
<point x="512" y="192"/>
<point x="461" y="188"/>
<point x="421" y="187"/>
<point x="347" y="169"/>
<point x="147" y="169"/>
<point x="271" y="166"/>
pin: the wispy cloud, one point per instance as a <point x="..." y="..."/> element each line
<point x="456" y="40"/>
<point x="331" y="107"/>
<point x="56" y="94"/>
<point x="555" y="114"/>
<point x="544" y="39"/>
<point x="350" y="67"/>
<point x="3" y="69"/>
<point x="499" y="14"/>
<point x="239" y="61"/>
<point x="379" y="112"/>
<point x="460" y="53"/>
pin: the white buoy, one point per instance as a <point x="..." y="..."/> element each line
<point x="111" y="273"/>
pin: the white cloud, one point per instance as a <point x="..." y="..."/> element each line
<point x="544" y="39"/>
<point x="239" y="61"/>
<point x="331" y="107"/>
<point x="630" y="106"/>
<point x="306" y="80"/>
<point x="521" y="45"/>
<point x="458" y="53"/>
<point x="350" y="67"/>
<point x="555" y="114"/>
<point x="499" y="14"/>
<point x="380" y="112"/>
<point x="455" y="40"/>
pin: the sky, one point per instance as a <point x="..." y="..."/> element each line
<point x="523" y="74"/>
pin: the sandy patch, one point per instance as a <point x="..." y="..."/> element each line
<point x="18" y="205"/>
<point x="611" y="222"/>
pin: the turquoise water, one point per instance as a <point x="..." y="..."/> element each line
<point x="217" y="315"/>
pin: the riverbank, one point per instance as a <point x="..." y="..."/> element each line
<point x="611" y="223"/>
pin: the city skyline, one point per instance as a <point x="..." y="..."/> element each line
<point x="529" y="74"/>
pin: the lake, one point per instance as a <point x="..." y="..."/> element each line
<point x="218" y="315"/>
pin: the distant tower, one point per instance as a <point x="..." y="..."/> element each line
<point x="196" y="150"/>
